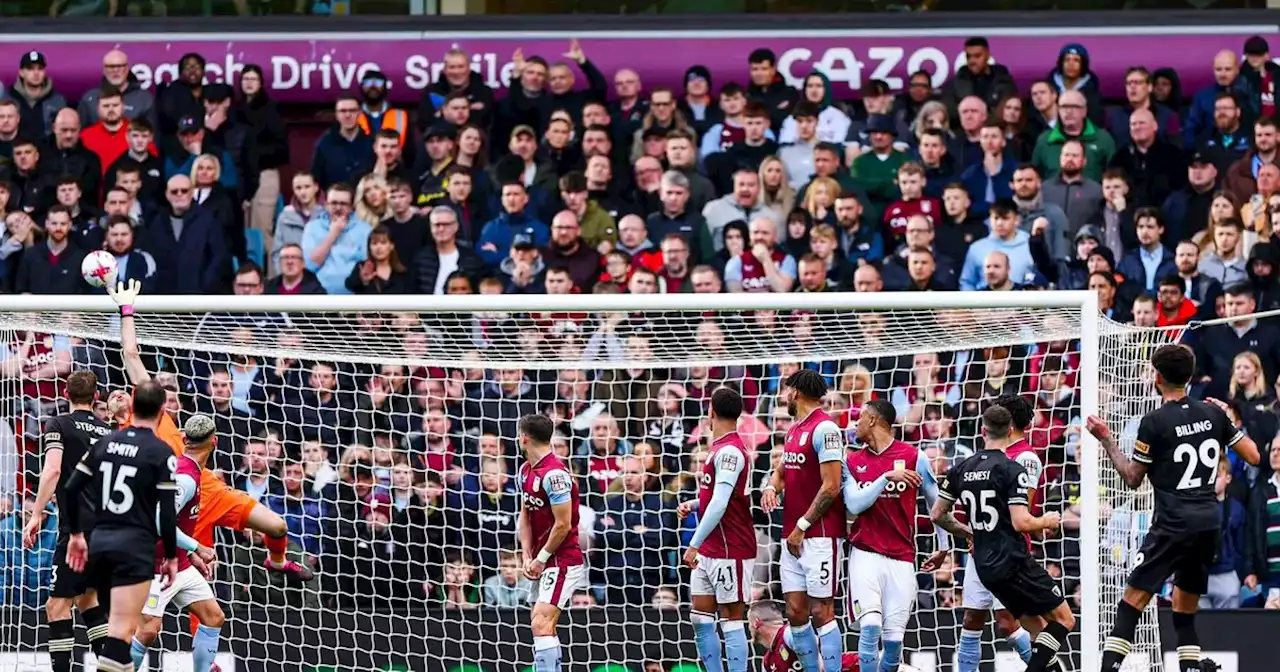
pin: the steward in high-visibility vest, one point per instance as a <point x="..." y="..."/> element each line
<point x="376" y="113"/>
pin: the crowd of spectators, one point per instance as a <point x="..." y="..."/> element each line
<point x="397" y="481"/>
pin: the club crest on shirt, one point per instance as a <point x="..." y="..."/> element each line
<point x="899" y="465"/>
<point x="804" y="438"/>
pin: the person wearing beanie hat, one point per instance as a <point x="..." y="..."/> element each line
<point x="697" y="105"/>
<point x="1072" y="73"/>
<point x="833" y="123"/>
<point x="1262" y="75"/>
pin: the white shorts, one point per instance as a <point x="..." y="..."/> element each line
<point x="728" y="579"/>
<point x="190" y="587"/>
<point x="878" y="584"/>
<point x="976" y="595"/>
<point x="815" y="571"/>
<point x="558" y="584"/>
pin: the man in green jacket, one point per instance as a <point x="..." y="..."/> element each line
<point x="597" y="225"/>
<point x="1074" y="124"/>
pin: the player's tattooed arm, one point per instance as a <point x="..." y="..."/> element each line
<point x="1130" y="470"/>
<point x="941" y="515"/>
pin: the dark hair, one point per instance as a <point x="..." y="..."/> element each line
<point x="360" y="469"/>
<point x="109" y="91"/>
<point x="977" y="41"/>
<point x="1265" y="121"/>
<point x="119" y="219"/>
<point x="1003" y="208"/>
<point x="885" y="410"/>
<point x="1150" y="212"/>
<point x="69" y="179"/>
<point x="573" y="182"/>
<point x="1239" y="289"/>
<point x="726" y="403"/>
<point x="805" y="109"/>
<point x="730" y="89"/>
<point x="1028" y="166"/>
<point x="394" y="258"/>
<point x="82" y="387"/>
<point x="1109" y="278"/>
<point x="809" y="383"/>
<point x="762" y="55"/>
<point x="149" y="400"/>
<point x="1172" y="280"/>
<point x="1019" y="409"/>
<point x="250" y="267"/>
<point x="996" y="421"/>
<point x="538" y="428"/>
<point x="58" y="209"/>
<point x="141" y="124"/>
<point x="755" y="110"/>
<point x="387" y="134"/>
<point x="1176" y="364"/>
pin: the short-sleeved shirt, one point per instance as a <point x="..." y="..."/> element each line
<point x="74" y="434"/>
<point x="986" y="485"/>
<point x="1182" y="442"/>
<point x="809" y="443"/>
<point x="735" y="534"/>
<point x="132" y="469"/>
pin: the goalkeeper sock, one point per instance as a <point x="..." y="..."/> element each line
<point x="95" y="622"/>
<point x="736" y="651"/>
<point x="831" y="644"/>
<point x="869" y="642"/>
<point x="1120" y="641"/>
<point x="892" y="657"/>
<point x="62" y="644"/>
<point x="204" y="648"/>
<point x="138" y="651"/>
<point x="1020" y="640"/>
<point x="1046" y="647"/>
<point x="969" y="655"/>
<point x="1184" y="626"/>
<point x="275" y="552"/>
<point x="707" y="639"/>
<point x="546" y="654"/>
<point x="805" y="643"/>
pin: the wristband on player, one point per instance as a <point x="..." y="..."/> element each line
<point x="543" y="556"/>
<point x="770" y="487"/>
<point x="126" y="311"/>
<point x="803" y="524"/>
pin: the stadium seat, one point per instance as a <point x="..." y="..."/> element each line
<point x="254" y="247"/>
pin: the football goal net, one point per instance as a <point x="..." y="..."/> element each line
<point x="383" y="430"/>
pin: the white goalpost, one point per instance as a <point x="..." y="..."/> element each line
<point x="382" y="429"/>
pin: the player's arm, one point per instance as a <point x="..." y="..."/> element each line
<point x="11" y="366"/>
<point x="186" y="490"/>
<point x="525" y="532"/>
<point x="948" y="493"/>
<point x="858" y="497"/>
<point x="1018" y="481"/>
<point x="166" y="514"/>
<point x="129" y="352"/>
<point x="828" y="445"/>
<point x="1234" y="437"/>
<point x="729" y="466"/>
<point x="947" y="525"/>
<point x="559" y="489"/>
<point x="85" y="470"/>
<point x="51" y="470"/>
<point x="1131" y="471"/>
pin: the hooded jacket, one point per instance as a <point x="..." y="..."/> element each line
<point x="1087" y="84"/>
<point x="36" y="109"/>
<point x="1266" y="288"/>
<point x="833" y="123"/>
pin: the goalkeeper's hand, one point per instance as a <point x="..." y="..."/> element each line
<point x="122" y="294"/>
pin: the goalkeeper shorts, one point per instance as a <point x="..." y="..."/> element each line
<point x="221" y="507"/>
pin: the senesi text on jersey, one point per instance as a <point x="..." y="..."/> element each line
<point x="976" y="476"/>
<point x="123" y="449"/>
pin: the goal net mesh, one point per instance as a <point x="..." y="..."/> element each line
<point x="387" y="442"/>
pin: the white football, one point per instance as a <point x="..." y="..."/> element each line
<point x="98" y="268"/>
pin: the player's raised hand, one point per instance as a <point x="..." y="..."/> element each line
<point x="1226" y="408"/>
<point x="168" y="573"/>
<point x="691" y="557"/>
<point x="769" y="500"/>
<point x="685" y="508"/>
<point x="1097" y="427"/>
<point x="124" y="294"/>
<point x="934" y="561"/>
<point x="77" y="553"/>
<point x="907" y="476"/>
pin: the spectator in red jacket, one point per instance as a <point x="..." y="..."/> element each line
<point x="108" y="138"/>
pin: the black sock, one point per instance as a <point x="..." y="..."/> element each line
<point x="1184" y="625"/>
<point x="62" y="644"/>
<point x="115" y="656"/>
<point x="1045" y="648"/>
<point x="95" y="621"/>
<point x="1120" y="641"/>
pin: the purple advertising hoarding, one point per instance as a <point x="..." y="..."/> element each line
<point x="312" y="67"/>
